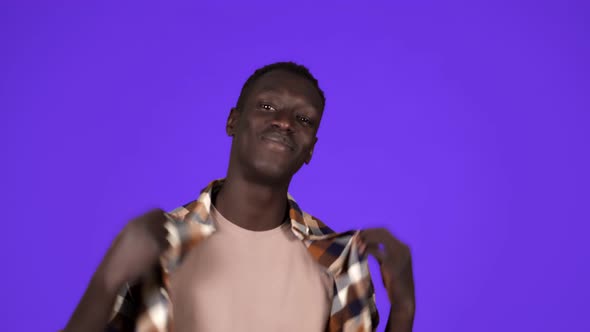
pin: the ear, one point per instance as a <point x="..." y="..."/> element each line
<point x="308" y="159"/>
<point x="232" y="121"/>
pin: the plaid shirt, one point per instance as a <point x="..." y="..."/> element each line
<point x="146" y="307"/>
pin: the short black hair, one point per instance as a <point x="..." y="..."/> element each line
<point x="289" y="66"/>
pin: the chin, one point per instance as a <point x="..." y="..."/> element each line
<point x="272" y="173"/>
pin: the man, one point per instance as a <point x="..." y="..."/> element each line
<point x="244" y="256"/>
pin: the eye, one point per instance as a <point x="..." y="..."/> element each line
<point x="305" y="120"/>
<point x="267" y="107"/>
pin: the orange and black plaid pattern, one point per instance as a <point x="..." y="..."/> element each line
<point x="146" y="307"/>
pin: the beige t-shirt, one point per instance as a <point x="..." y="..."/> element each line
<point x="241" y="280"/>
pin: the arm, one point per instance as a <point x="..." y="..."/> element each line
<point x="95" y="307"/>
<point x="395" y="261"/>
<point x="399" y="322"/>
<point x="133" y="253"/>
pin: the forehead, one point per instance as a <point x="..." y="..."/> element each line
<point x="282" y="81"/>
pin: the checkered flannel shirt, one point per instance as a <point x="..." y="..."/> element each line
<point x="146" y="307"/>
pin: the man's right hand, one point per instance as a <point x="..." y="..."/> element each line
<point x="134" y="251"/>
<point x="132" y="254"/>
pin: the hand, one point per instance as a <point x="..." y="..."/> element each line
<point x="134" y="251"/>
<point x="395" y="261"/>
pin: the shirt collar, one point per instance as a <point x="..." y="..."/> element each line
<point x="193" y="223"/>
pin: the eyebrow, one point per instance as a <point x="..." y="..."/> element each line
<point x="305" y="101"/>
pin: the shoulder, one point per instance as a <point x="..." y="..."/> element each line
<point x="181" y="211"/>
<point x="317" y="226"/>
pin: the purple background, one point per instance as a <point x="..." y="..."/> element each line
<point x="461" y="125"/>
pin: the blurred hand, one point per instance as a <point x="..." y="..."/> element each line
<point x="395" y="261"/>
<point x="135" y="250"/>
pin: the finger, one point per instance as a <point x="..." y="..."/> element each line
<point x="376" y="235"/>
<point x="154" y="215"/>
<point x="377" y="252"/>
<point x="155" y="221"/>
<point x="358" y="242"/>
<point x="380" y="235"/>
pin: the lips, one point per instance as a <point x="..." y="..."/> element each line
<point x="276" y="137"/>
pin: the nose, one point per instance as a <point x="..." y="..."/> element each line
<point x="283" y="120"/>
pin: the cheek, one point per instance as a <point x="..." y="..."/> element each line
<point x="250" y="122"/>
<point x="307" y="144"/>
<point x="247" y="136"/>
<point x="245" y="128"/>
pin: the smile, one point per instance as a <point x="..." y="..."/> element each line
<point x="279" y="140"/>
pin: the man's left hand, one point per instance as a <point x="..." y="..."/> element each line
<point x="395" y="261"/>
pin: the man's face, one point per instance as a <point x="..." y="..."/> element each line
<point x="275" y="131"/>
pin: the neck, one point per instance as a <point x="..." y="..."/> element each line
<point x="252" y="206"/>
